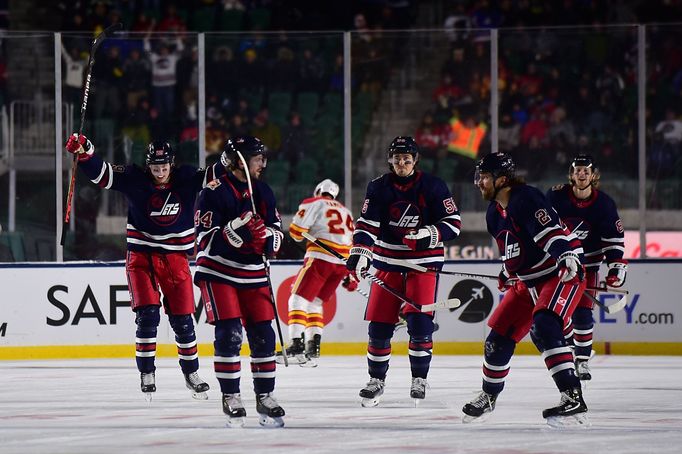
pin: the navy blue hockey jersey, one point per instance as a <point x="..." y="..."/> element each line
<point x="220" y="202"/>
<point x="529" y="235"/>
<point x="594" y="221"/>
<point x="160" y="217"/>
<point x="395" y="206"/>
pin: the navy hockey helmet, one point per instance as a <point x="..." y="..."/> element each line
<point x="584" y="160"/>
<point x="403" y="145"/>
<point x="159" y="153"/>
<point x="248" y="146"/>
<point x="496" y="164"/>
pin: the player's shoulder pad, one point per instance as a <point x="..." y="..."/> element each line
<point x="558" y="187"/>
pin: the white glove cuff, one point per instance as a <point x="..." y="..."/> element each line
<point x="435" y="235"/>
<point x="618" y="266"/>
<point x="362" y="251"/>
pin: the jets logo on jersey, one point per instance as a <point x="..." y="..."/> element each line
<point x="580" y="227"/>
<point x="403" y="218"/>
<point x="164" y="211"/>
<point x="511" y="250"/>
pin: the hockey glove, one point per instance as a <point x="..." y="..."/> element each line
<point x="246" y="229"/>
<point x="425" y="238"/>
<point x="273" y="241"/>
<point x="80" y="146"/>
<point x="349" y="283"/>
<point x="570" y="267"/>
<point x="358" y="261"/>
<point x="502" y="278"/>
<point x="617" y="273"/>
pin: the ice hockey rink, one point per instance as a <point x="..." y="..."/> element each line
<point x="95" y="406"/>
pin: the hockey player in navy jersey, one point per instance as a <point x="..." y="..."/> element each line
<point x="545" y="257"/>
<point x="592" y="216"/>
<point x="233" y="279"/>
<point x="160" y="235"/>
<point x="407" y="214"/>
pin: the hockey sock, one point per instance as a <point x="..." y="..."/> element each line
<point x="262" y="343"/>
<point x="147" y="320"/>
<point x="186" y="340"/>
<point x="298" y="316"/>
<point x="568" y="332"/>
<point x="227" y="362"/>
<point x="379" y="348"/>
<point x="420" y="329"/>
<point x="547" y="335"/>
<point x="498" y="353"/>
<point x="584" y="327"/>
<point x="315" y="322"/>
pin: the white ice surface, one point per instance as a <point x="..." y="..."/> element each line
<point x="95" y="406"/>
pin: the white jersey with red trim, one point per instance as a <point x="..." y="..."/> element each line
<point x="329" y="221"/>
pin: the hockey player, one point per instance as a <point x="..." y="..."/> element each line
<point x="407" y="214"/>
<point x="233" y="276"/>
<point x="546" y="258"/>
<point x="592" y="216"/>
<point x="331" y="222"/>
<point x="159" y="236"/>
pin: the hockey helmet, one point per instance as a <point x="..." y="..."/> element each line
<point x="403" y="145"/>
<point x="496" y="164"/>
<point x="159" y="153"/>
<point x="326" y="187"/>
<point x="584" y="160"/>
<point x="248" y="146"/>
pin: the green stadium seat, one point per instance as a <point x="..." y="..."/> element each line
<point x="307" y="105"/>
<point x="277" y="173"/>
<point x="306" y="171"/>
<point x="279" y="105"/>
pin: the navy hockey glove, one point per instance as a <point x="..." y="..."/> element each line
<point x="425" y="238"/>
<point x="80" y="146"/>
<point x="358" y="261"/>
<point x="618" y="270"/>
<point x="273" y="241"/>
<point x="246" y="230"/>
<point x="570" y="267"/>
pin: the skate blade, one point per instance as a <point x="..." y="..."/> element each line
<point x="468" y="419"/>
<point x="296" y="359"/>
<point x="148" y="397"/>
<point x="236" y="423"/>
<point x="309" y="363"/>
<point x="369" y="402"/>
<point x="200" y="396"/>
<point x="417" y="401"/>
<point x="270" y="422"/>
<point x="578" y="421"/>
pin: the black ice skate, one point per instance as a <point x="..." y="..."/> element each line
<point x="371" y="394"/>
<point x="418" y="389"/>
<point x="269" y="411"/>
<point x="582" y="369"/>
<point x="234" y="409"/>
<point x="198" y="387"/>
<point x="312" y="351"/>
<point x="148" y="384"/>
<point x="480" y="408"/>
<point x="295" y="352"/>
<point x="571" y="410"/>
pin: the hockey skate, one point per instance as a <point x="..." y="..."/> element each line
<point x="295" y="353"/>
<point x="148" y="384"/>
<point x="571" y="411"/>
<point x="479" y="409"/>
<point x="198" y="387"/>
<point x="582" y="369"/>
<point x="371" y="394"/>
<point x="312" y="351"/>
<point x="269" y="411"/>
<point x="418" y="389"/>
<point x="234" y="409"/>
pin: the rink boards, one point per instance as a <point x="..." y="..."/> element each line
<point x="81" y="310"/>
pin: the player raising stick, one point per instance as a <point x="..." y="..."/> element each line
<point x="592" y="216"/>
<point x="546" y="257"/>
<point x="407" y="214"/>
<point x="159" y="236"/>
<point x="331" y="222"/>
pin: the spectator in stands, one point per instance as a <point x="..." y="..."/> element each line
<point x="431" y="137"/>
<point x="536" y="126"/>
<point x="171" y="21"/>
<point x="509" y="134"/>
<point x="163" y="62"/>
<point x="295" y="140"/>
<point x="136" y="78"/>
<point x="73" y="75"/>
<point x="268" y="132"/>
<point x="221" y="73"/>
<point x="109" y="76"/>
<point x="284" y="71"/>
<point x="311" y="72"/>
<point x="137" y="121"/>
<point x="465" y="137"/>
<point x="188" y="77"/>
<point x="666" y="146"/>
<point x="560" y="128"/>
<point x="238" y="126"/>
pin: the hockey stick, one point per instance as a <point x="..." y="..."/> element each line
<point x="84" y="105"/>
<point x="445" y="304"/>
<point x="612" y="309"/>
<point x="266" y="263"/>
